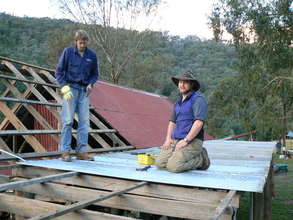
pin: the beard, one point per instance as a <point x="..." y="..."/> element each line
<point x="185" y="92"/>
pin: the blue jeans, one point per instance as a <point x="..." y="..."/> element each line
<point x="79" y="104"/>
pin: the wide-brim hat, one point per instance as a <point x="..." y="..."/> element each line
<point x="187" y="76"/>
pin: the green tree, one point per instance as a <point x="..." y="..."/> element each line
<point x="262" y="35"/>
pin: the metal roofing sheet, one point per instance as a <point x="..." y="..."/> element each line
<point x="235" y="165"/>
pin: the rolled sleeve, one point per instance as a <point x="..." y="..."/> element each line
<point x="173" y="116"/>
<point x="200" y="109"/>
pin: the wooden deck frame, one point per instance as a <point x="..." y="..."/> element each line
<point x="84" y="204"/>
<point x="160" y="199"/>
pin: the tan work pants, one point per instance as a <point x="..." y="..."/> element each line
<point x="191" y="157"/>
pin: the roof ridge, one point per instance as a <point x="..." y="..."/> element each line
<point x="133" y="90"/>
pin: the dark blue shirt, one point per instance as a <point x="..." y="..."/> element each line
<point x="193" y="108"/>
<point x="76" y="70"/>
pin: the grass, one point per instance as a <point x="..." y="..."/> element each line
<point x="282" y="203"/>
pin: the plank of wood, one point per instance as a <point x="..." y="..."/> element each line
<point x="55" y="154"/>
<point x="19" y="125"/>
<point x="30" y="207"/>
<point x="27" y="64"/>
<point x="28" y="81"/>
<point x="51" y="91"/>
<point x="268" y="194"/>
<point x="224" y="204"/>
<point x="49" y="76"/>
<point x="83" y="204"/>
<point x="258" y="206"/>
<point x="4" y="179"/>
<point x="8" y="99"/>
<point x="101" y="141"/>
<point x="11" y="166"/>
<point x="19" y="184"/>
<point x="161" y="191"/>
<point x="96" y="121"/>
<point x="34" y="132"/>
<point x="4" y="146"/>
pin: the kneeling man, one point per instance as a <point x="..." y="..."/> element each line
<point x="183" y="149"/>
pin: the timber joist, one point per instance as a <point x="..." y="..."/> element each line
<point x="83" y="190"/>
<point x="20" y="111"/>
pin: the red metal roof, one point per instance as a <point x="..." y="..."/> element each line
<point x="140" y="117"/>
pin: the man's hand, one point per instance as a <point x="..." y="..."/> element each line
<point x="66" y="92"/>
<point x="181" y="144"/>
<point x="89" y="89"/>
<point x="167" y="144"/>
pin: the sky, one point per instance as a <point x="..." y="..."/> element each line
<point x="178" y="17"/>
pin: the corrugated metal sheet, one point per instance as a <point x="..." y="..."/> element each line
<point x="45" y="139"/>
<point x="140" y="117"/>
<point x="235" y="165"/>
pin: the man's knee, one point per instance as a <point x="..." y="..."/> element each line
<point x="175" y="167"/>
<point x="176" y="163"/>
<point x="162" y="159"/>
<point x="161" y="164"/>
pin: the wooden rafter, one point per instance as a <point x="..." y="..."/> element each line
<point x="84" y="204"/>
<point x="30" y="207"/>
<point x="19" y="125"/>
<point x="34" y="132"/>
<point x="23" y="183"/>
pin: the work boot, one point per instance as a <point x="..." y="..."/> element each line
<point x="84" y="156"/>
<point x="205" y="160"/>
<point x="66" y="157"/>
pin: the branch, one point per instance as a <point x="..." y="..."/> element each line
<point x="278" y="78"/>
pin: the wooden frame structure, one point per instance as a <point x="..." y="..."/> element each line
<point x="40" y="88"/>
<point x="82" y="190"/>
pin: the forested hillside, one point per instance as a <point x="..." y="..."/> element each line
<point x="162" y="55"/>
<point x="40" y="41"/>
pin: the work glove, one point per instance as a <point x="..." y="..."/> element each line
<point x="66" y="92"/>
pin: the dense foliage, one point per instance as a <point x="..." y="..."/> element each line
<point x="260" y="97"/>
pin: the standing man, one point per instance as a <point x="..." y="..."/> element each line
<point x="76" y="73"/>
<point x="183" y="149"/>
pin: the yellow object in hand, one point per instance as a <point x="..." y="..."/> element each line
<point x="66" y="92"/>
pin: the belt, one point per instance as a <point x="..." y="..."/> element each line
<point x="78" y="82"/>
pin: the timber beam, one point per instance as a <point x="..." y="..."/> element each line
<point x="35" y="132"/>
<point x="20" y="184"/>
<point x="30" y="207"/>
<point x="83" y="204"/>
<point x="56" y="154"/>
